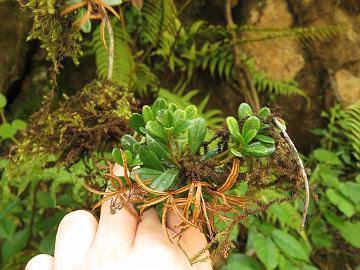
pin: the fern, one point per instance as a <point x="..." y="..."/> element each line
<point x="349" y="121"/>
<point x="158" y="16"/>
<point x="123" y="59"/>
<point x="212" y="117"/>
<point x="143" y="80"/>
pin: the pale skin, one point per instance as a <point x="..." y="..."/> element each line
<point x="121" y="242"/>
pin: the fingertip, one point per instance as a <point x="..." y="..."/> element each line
<point x="40" y="262"/>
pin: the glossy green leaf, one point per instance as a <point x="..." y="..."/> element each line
<point x="265" y="139"/>
<point x="173" y="107"/>
<point x="118" y="158"/>
<point x="2" y="101"/>
<point x="266" y="251"/>
<point x="150" y="159"/>
<point x="146" y="173"/>
<point x="251" y="123"/>
<point x="341" y="202"/>
<point x="250" y="135"/>
<point x="196" y="135"/>
<point x="258" y="149"/>
<point x="129" y="143"/>
<point x="179" y="115"/>
<point x="190" y="111"/>
<point x="351" y="190"/>
<point x="166" y="118"/>
<point x="264" y="112"/>
<point x="156" y="130"/>
<point x="159" y="148"/>
<point x="147" y="113"/>
<point x="244" y="111"/>
<point x="181" y="126"/>
<point x="159" y="104"/>
<point x="289" y="245"/>
<point x="236" y="152"/>
<point x="234" y="129"/>
<point x="136" y="121"/>
<point x="164" y="181"/>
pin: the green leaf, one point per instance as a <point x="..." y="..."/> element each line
<point x="18" y="124"/>
<point x="179" y="115"/>
<point x="14" y="245"/>
<point x="159" y="148"/>
<point x="181" y="126"/>
<point x="166" y="118"/>
<point x="289" y="245"/>
<point x="190" y="111"/>
<point x="156" y="130"/>
<point x="117" y="156"/>
<point x="351" y="190"/>
<point x="251" y="123"/>
<point x="2" y="101"/>
<point x="265" y="139"/>
<point x="150" y="159"/>
<point x="129" y="143"/>
<point x="86" y="27"/>
<point x="136" y="121"/>
<point x="327" y="157"/>
<point x="164" y="181"/>
<point x="258" y="149"/>
<point x="7" y="131"/>
<point x="250" y="135"/>
<point x="244" y="111"/>
<point x="172" y="107"/>
<point x="7" y="228"/>
<point x="47" y="243"/>
<point x="197" y="132"/>
<point x="236" y="152"/>
<point x="113" y="2"/>
<point x="234" y="129"/>
<point x="147" y="113"/>
<point x="341" y="202"/>
<point x="238" y="261"/>
<point x="146" y="173"/>
<point x="266" y="251"/>
<point x="264" y="112"/>
<point x="44" y="200"/>
<point x="159" y="104"/>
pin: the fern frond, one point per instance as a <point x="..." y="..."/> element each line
<point x="158" y="16"/>
<point x="349" y="121"/>
<point x="123" y="59"/>
<point x="304" y="34"/>
<point x="212" y="117"/>
<point x="143" y="80"/>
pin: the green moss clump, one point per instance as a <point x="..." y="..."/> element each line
<point x="96" y="114"/>
<point x="57" y="34"/>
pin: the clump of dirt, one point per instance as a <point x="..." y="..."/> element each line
<point x="80" y="125"/>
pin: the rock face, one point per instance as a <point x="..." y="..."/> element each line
<point x="280" y="58"/>
<point x="348" y="86"/>
<point x="13" y="30"/>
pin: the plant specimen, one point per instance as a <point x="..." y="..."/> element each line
<point x="175" y="162"/>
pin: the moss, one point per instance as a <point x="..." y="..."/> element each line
<point x="57" y="34"/>
<point x="96" y="114"/>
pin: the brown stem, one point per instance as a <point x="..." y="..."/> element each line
<point x="244" y="78"/>
<point x="111" y="47"/>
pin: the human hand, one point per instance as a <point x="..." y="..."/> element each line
<point x="119" y="242"/>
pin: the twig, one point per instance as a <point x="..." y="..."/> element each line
<point x="111" y="48"/>
<point x="245" y="85"/>
<point x="302" y="170"/>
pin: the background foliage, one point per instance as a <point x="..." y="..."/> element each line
<point x="160" y="52"/>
